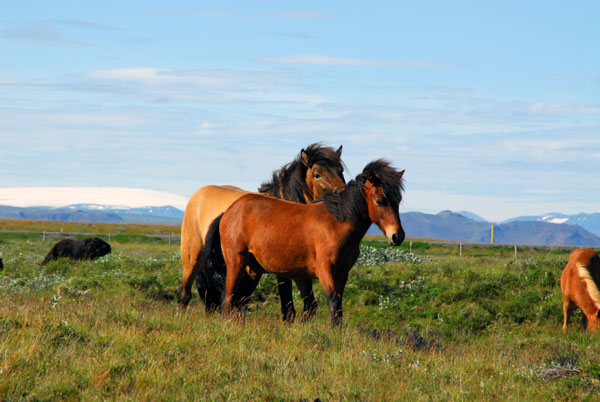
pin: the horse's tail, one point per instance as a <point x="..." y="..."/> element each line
<point x="592" y="287"/>
<point x="211" y="277"/>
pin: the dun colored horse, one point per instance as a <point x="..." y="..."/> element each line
<point x="579" y="283"/>
<point x="262" y="234"/>
<point x="316" y="169"/>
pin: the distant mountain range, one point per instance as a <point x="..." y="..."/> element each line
<point x="590" y="222"/>
<point x="165" y="215"/>
<point x="559" y="229"/>
<point x="448" y="225"/>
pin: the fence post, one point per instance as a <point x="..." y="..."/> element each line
<point x="460" y="249"/>
<point x="109" y="237"/>
<point x="44" y="236"/>
<point x="515" y="253"/>
<point x="171" y="235"/>
<point x="410" y="247"/>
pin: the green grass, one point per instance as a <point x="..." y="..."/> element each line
<point x="438" y="327"/>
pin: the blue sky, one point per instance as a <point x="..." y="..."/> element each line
<point x="492" y="108"/>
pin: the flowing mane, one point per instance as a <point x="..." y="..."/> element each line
<point x="288" y="182"/>
<point x="349" y="203"/>
<point x="591" y="286"/>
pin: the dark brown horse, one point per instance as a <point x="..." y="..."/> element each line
<point x="259" y="234"/>
<point x="78" y="249"/>
<point x="316" y="169"/>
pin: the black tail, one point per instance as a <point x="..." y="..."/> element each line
<point x="211" y="277"/>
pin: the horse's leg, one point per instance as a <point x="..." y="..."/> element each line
<point x="192" y="260"/>
<point x="308" y="296"/>
<point x="284" y="286"/>
<point x="584" y="320"/>
<point x="235" y="262"/>
<point x="566" y="312"/>
<point x="246" y="286"/>
<point x="333" y="293"/>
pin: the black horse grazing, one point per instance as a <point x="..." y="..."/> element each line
<point x="78" y="249"/>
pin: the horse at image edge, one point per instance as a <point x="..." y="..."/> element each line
<point x="579" y="284"/>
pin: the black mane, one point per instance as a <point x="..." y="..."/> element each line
<point x="288" y="183"/>
<point x="349" y="204"/>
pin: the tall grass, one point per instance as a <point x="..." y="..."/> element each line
<point x="433" y="327"/>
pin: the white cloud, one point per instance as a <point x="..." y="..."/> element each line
<point x="51" y="32"/>
<point x="323" y="60"/>
<point x="113" y="196"/>
<point x="161" y="77"/>
<point x="300" y="14"/>
<point x="564" y="109"/>
<point x="284" y="14"/>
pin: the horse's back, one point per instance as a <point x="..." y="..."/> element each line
<point x="261" y="211"/>
<point x="204" y="206"/>
<point x="571" y="282"/>
<point x="282" y="235"/>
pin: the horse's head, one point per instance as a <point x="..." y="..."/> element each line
<point x="324" y="169"/>
<point x="382" y="186"/>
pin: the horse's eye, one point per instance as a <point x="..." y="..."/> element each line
<point x="379" y="203"/>
<point x="317" y="176"/>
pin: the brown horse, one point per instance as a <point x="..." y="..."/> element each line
<point x="321" y="240"/>
<point x="579" y="284"/>
<point x="316" y="169"/>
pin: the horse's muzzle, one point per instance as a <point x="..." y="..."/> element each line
<point x="397" y="238"/>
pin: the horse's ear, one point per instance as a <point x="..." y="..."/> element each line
<point x="305" y="159"/>
<point x="401" y="173"/>
<point x="339" y="151"/>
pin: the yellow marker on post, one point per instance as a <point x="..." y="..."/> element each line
<point x="492" y="238"/>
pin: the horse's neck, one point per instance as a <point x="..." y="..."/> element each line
<point x="354" y="231"/>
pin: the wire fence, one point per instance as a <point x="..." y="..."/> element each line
<point x="171" y="238"/>
<point x="458" y="248"/>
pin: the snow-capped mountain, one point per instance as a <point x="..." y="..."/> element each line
<point x="115" y="197"/>
<point x="92" y="204"/>
<point x="447" y="225"/>
<point x="588" y="221"/>
<point x="163" y="211"/>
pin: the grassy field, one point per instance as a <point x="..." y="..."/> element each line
<point x="434" y="326"/>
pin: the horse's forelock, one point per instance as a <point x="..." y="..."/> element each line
<point x="322" y="155"/>
<point x="388" y="177"/>
<point x="289" y="183"/>
<point x="348" y="203"/>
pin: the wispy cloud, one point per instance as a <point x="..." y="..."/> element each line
<point x="82" y="24"/>
<point x="323" y="60"/>
<point x="41" y="33"/>
<point x="294" y="35"/>
<point x="565" y="108"/>
<point x="51" y="32"/>
<point x="282" y="14"/>
<point x="201" y="78"/>
<point x="301" y="14"/>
